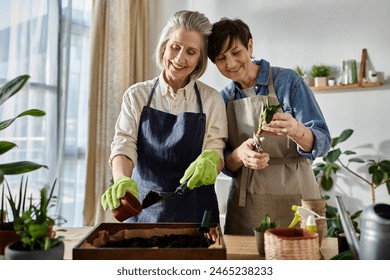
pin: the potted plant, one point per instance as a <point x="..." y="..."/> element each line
<point x="34" y="226"/>
<point x="378" y="170"/>
<point x="319" y="72"/>
<point x="7" y="91"/>
<point x="306" y="78"/>
<point x="265" y="224"/>
<point x="7" y="232"/>
<point x="377" y="174"/>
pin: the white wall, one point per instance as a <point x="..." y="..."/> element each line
<point x="305" y="32"/>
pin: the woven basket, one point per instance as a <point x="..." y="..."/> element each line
<point x="291" y="244"/>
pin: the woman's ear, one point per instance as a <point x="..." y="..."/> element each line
<point x="250" y="47"/>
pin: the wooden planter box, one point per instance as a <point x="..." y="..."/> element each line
<point x="84" y="250"/>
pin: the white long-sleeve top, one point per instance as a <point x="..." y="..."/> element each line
<point x="164" y="99"/>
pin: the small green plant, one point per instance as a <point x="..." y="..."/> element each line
<point x="268" y="111"/>
<point x="333" y="220"/>
<point x="34" y="224"/>
<point x="320" y="70"/>
<point x="299" y="71"/>
<point x="18" y="203"/>
<point x="378" y="170"/>
<point x="266" y="223"/>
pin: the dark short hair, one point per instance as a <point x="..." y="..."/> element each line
<point x="227" y="30"/>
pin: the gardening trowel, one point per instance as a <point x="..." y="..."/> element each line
<point x="153" y="197"/>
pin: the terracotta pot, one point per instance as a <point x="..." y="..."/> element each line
<point x="130" y="206"/>
<point x="7" y="237"/>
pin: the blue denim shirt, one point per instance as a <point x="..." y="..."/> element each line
<point x="297" y="99"/>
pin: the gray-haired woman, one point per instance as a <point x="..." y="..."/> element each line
<point x="171" y="129"/>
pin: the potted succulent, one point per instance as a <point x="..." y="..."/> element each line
<point x="320" y="72"/>
<point x="265" y="224"/>
<point x="34" y="226"/>
<point x="7" y="90"/>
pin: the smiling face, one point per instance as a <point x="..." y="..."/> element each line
<point x="235" y="63"/>
<point x="181" y="56"/>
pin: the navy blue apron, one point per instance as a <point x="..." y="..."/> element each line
<point x="167" y="145"/>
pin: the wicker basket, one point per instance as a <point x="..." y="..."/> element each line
<point x="291" y="244"/>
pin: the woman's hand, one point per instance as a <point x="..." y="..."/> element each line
<point x="283" y="124"/>
<point x="245" y="155"/>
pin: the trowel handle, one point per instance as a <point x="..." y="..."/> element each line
<point x="182" y="188"/>
<point x="205" y="225"/>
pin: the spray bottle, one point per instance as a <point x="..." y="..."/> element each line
<point x="308" y="215"/>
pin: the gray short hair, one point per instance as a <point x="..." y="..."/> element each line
<point x="191" y="21"/>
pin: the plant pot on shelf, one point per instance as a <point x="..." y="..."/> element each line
<point x="15" y="251"/>
<point x="319" y="81"/>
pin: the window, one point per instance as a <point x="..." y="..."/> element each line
<point x="49" y="40"/>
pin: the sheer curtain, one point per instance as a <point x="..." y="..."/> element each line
<point x="49" y="40"/>
<point x="118" y="60"/>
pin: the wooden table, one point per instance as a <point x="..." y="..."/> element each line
<point x="238" y="247"/>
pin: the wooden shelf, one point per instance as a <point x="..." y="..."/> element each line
<point x="349" y="86"/>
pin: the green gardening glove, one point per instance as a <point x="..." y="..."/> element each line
<point x="111" y="197"/>
<point x="203" y="171"/>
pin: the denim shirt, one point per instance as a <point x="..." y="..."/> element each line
<point x="297" y="99"/>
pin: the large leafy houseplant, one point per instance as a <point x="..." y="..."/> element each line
<point x="7" y="91"/>
<point x="378" y="170"/>
<point x="7" y="233"/>
<point x="19" y="167"/>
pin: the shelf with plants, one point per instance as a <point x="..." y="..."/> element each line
<point x="348" y="86"/>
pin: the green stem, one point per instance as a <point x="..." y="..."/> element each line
<point x="354" y="173"/>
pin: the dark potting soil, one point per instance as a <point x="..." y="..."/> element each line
<point x="166" y="241"/>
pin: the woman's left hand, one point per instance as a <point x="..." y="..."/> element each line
<point x="282" y="124"/>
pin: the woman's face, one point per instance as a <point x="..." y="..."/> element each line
<point x="234" y="63"/>
<point x="182" y="54"/>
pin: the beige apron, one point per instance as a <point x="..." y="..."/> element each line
<point x="273" y="190"/>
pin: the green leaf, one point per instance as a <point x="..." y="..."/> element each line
<point x="377" y="177"/>
<point x="326" y="183"/>
<point x="5" y="146"/>
<point x="346" y="255"/>
<point x="332" y="156"/>
<point x="385" y="165"/>
<point x="266" y="223"/>
<point x="372" y="169"/>
<point x="356" y="215"/>
<point x="267" y="114"/>
<point x="31" y="112"/>
<point x="344" y="135"/>
<point x="12" y="87"/>
<point x="356" y="160"/>
<point x="349" y="153"/>
<point x="20" y="167"/>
